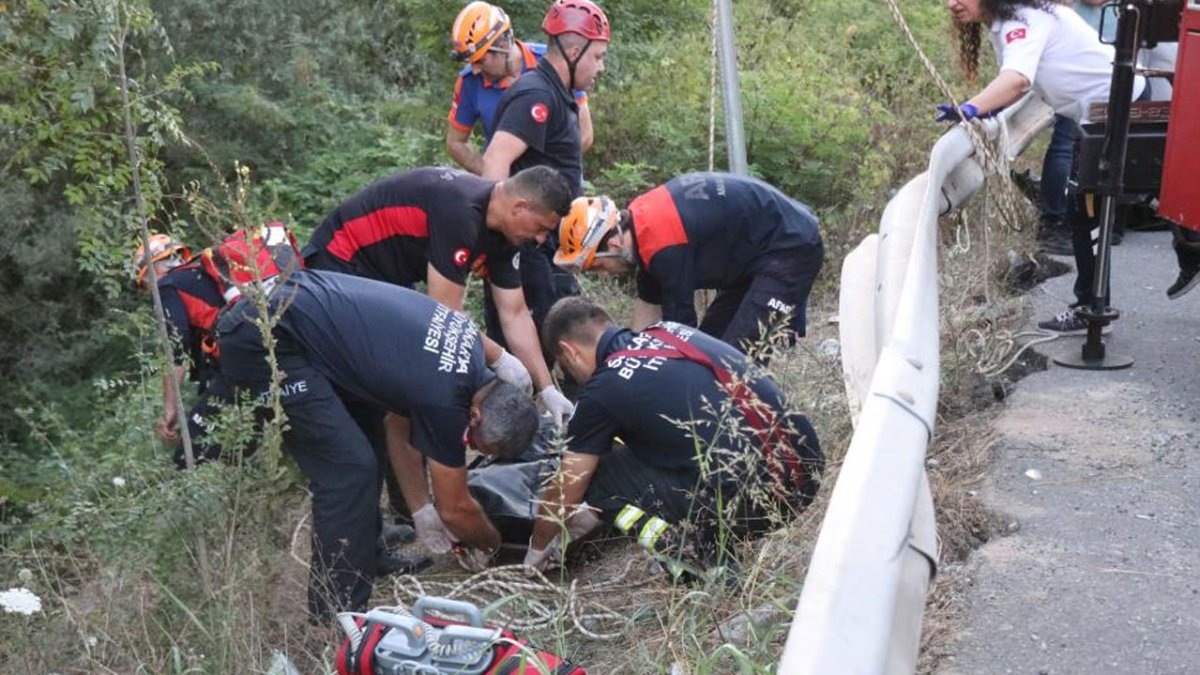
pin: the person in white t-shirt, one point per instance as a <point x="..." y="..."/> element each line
<point x="1044" y="46"/>
<point x="1041" y="45"/>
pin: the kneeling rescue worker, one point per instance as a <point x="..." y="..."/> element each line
<point x="677" y="474"/>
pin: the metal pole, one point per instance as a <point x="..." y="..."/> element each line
<point x="1094" y="354"/>
<point x="1116" y="139"/>
<point x="735" y="136"/>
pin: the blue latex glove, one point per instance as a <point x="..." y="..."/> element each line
<point x="966" y="111"/>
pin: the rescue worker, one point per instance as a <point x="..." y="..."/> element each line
<point x="537" y="124"/>
<point x="482" y="38"/>
<point x="1045" y="47"/>
<point x="191" y="300"/>
<point x="351" y="347"/>
<point x="536" y="120"/>
<point x="760" y="249"/>
<point x="437" y="225"/>
<point x="671" y="394"/>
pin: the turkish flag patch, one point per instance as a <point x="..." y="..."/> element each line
<point x="1014" y="35"/>
<point x="461" y="256"/>
<point x="540" y="113"/>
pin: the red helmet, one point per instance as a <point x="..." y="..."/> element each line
<point x="576" y="16"/>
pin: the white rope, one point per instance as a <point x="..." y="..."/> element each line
<point x="994" y="353"/>
<point x="296" y="535"/>
<point x="573" y="608"/>
<point x="543" y="602"/>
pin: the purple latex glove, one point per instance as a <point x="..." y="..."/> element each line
<point x="966" y="111"/>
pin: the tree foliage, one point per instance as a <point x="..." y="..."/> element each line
<point x="318" y="98"/>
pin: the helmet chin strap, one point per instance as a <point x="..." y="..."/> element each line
<point x="627" y="253"/>
<point x="512" y="61"/>
<point x="571" y="63"/>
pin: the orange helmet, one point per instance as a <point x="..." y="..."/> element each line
<point x="162" y="247"/>
<point x="582" y="230"/>
<point x="476" y="29"/>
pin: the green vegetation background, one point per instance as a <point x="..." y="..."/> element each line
<point x="318" y="98"/>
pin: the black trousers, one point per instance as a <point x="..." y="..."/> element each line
<point x="734" y="500"/>
<point x="1083" y="211"/>
<point x="1083" y="215"/>
<point x="782" y="284"/>
<point x="215" y="392"/>
<point x="322" y="260"/>
<point x="332" y="444"/>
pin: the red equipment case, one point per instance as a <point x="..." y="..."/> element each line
<point x="1179" y="199"/>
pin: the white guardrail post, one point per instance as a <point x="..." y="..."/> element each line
<point x="863" y="598"/>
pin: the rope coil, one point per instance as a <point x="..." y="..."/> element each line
<point x="573" y="607"/>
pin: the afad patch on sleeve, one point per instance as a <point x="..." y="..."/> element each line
<point x="461" y="256"/>
<point x="540" y="113"/>
<point x="1014" y="35"/>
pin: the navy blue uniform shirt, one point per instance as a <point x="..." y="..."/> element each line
<point x="397" y="351"/>
<point x="655" y="405"/>
<point x="191" y="301"/>
<point x="539" y="110"/>
<point x="711" y="230"/>
<point x="393" y="229"/>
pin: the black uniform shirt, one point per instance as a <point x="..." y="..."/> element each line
<point x="655" y="405"/>
<point x="539" y="110"/>
<point x="711" y="230"/>
<point x="191" y="301"/>
<point x="398" y="351"/>
<point x="391" y="230"/>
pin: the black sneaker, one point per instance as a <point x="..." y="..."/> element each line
<point x="388" y="563"/>
<point x="1187" y="280"/>
<point x="1070" y="322"/>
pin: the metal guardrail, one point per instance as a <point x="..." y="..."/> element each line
<point x="863" y="598"/>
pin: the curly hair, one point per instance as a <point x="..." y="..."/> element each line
<point x="969" y="36"/>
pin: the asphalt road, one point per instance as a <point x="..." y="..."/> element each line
<point x="1097" y="474"/>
